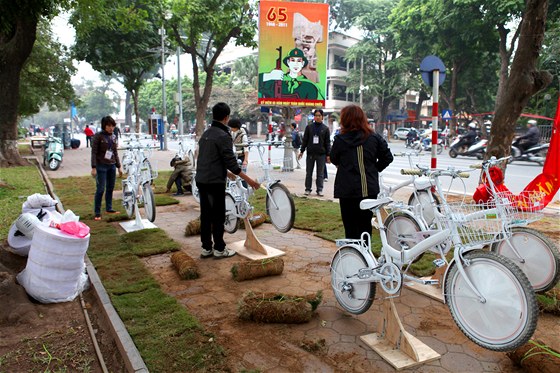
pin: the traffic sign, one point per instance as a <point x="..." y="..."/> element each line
<point x="430" y="64"/>
<point x="447" y="114"/>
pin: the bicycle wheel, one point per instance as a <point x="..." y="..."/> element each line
<point x="146" y="171"/>
<point x="423" y="199"/>
<point x="149" y="201"/>
<point x="508" y="317"/>
<point x="539" y="256"/>
<point x="190" y="155"/>
<point x="400" y="229"/>
<point x="232" y="222"/>
<point x="128" y="199"/>
<point x="280" y="208"/>
<point x="195" y="193"/>
<point x="355" y="298"/>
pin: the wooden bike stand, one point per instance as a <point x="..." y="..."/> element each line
<point x="252" y="248"/>
<point x="395" y="345"/>
<point x="433" y="291"/>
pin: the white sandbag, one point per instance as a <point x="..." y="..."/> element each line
<point x="55" y="270"/>
<point x="19" y="244"/>
<point x="37" y="201"/>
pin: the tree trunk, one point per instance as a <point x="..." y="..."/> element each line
<point x="128" y="110"/>
<point x="524" y="79"/>
<point x="136" y="113"/>
<point x="202" y="101"/>
<point x="14" y="51"/>
<point x="423" y="96"/>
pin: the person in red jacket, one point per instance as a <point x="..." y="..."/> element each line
<point x="89" y="135"/>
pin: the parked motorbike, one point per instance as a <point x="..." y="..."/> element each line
<point x="475" y="150"/>
<point x="52" y="156"/>
<point x="536" y="153"/>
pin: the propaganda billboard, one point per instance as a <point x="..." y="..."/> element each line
<point x="293" y="41"/>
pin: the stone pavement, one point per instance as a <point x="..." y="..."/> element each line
<point x="311" y="255"/>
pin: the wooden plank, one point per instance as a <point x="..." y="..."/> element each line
<point x="252" y="248"/>
<point x="395" y="345"/>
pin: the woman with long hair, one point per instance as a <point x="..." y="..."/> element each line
<point x="359" y="154"/>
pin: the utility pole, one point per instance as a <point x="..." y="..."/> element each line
<point x="164" y="111"/>
<point x="180" y="92"/>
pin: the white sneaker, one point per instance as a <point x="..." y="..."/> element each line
<point x="226" y="253"/>
<point x="204" y="254"/>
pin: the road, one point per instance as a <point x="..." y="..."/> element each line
<point x="518" y="174"/>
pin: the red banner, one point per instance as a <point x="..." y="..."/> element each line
<point x="547" y="182"/>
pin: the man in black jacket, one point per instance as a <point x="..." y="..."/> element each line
<point x="317" y="142"/>
<point x="215" y="158"/>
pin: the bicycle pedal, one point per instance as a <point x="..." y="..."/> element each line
<point x="439" y="262"/>
<point x="430" y="282"/>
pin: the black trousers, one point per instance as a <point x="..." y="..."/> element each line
<point x="355" y="220"/>
<point x="212" y="215"/>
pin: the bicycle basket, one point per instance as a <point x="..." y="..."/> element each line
<point x="526" y="207"/>
<point x="478" y="223"/>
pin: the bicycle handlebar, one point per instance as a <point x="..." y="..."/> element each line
<point x="408" y="154"/>
<point x="265" y="143"/>
<point x="427" y="172"/>
<point x="489" y="162"/>
<point x="415" y="172"/>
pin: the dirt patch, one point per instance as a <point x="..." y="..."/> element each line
<point x="48" y="337"/>
<point x="329" y="342"/>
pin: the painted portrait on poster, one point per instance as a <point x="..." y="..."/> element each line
<point x="293" y="40"/>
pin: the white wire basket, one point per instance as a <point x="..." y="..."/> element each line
<point x="525" y="207"/>
<point x="478" y="223"/>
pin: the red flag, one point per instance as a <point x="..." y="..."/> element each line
<point x="548" y="181"/>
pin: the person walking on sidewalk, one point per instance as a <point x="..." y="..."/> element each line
<point x="89" y="135"/>
<point x="317" y="142"/>
<point x="104" y="164"/>
<point x="296" y="143"/>
<point x="215" y="158"/>
<point x="359" y="154"/>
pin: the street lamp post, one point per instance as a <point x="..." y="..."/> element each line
<point x="164" y="110"/>
<point x="180" y="92"/>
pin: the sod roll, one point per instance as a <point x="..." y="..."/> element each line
<point x="275" y="308"/>
<point x="248" y="270"/>
<point x="185" y="265"/>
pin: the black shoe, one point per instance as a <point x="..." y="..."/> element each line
<point x="112" y="212"/>
<point x="320" y="193"/>
<point x="178" y="194"/>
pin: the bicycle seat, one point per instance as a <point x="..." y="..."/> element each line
<point x="374" y="204"/>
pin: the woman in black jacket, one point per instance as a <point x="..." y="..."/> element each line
<point x="359" y="154"/>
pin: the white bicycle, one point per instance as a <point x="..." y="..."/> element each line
<point x="279" y="203"/>
<point x="531" y="250"/>
<point x="137" y="188"/>
<point x="187" y="147"/>
<point x="489" y="297"/>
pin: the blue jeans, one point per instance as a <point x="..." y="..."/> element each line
<point x="105" y="183"/>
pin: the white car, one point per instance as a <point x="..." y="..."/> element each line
<point x="400" y="133"/>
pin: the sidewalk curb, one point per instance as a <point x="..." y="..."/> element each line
<point x="127" y="349"/>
